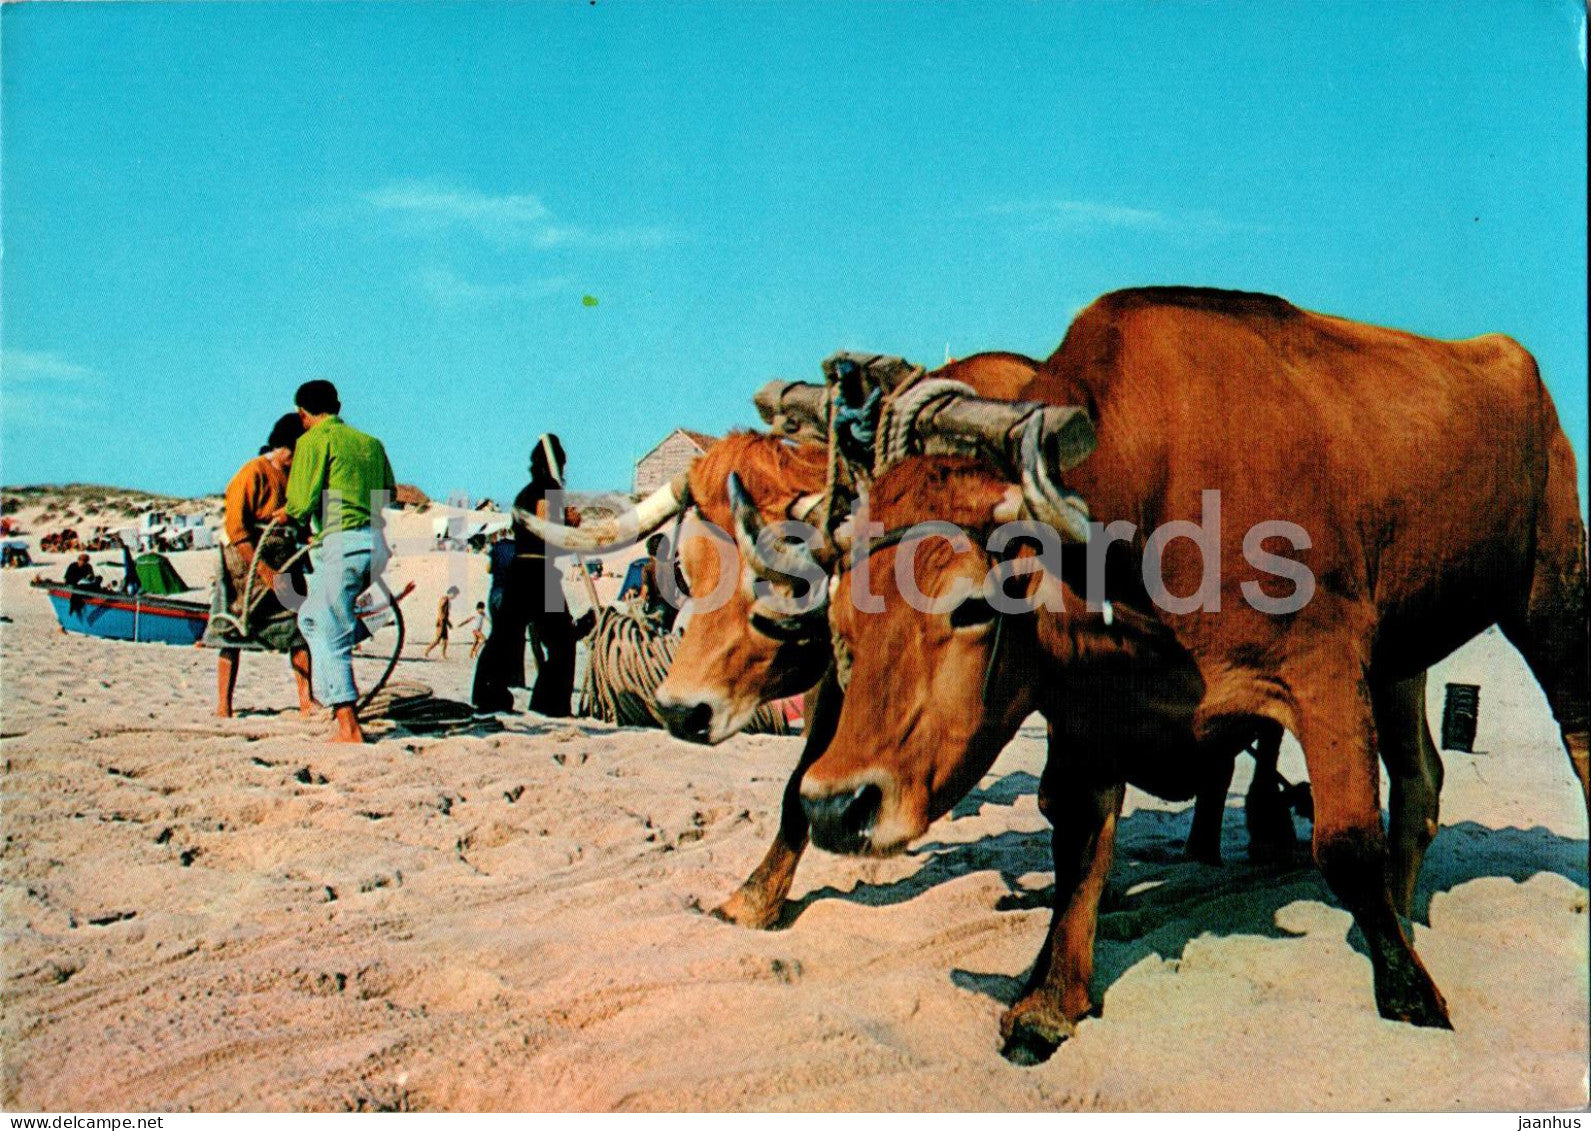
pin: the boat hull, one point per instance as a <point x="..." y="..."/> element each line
<point x="116" y="616"/>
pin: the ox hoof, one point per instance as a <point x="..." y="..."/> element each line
<point x="1415" y="1002"/>
<point x="1033" y="1029"/>
<point x="745" y="911"/>
<point x="1203" y="854"/>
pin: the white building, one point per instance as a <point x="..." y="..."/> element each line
<point x="672" y="456"/>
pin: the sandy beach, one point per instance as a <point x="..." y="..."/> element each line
<point x="232" y="914"/>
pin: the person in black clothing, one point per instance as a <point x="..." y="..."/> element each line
<point x="527" y="592"/>
<point x="81" y="573"/>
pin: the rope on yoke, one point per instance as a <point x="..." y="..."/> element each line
<point x="900" y="414"/>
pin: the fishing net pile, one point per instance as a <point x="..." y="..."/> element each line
<point x="629" y="656"/>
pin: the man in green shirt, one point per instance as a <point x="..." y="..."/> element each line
<point x="339" y="482"/>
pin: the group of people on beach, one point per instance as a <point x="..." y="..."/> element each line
<point x="317" y="475"/>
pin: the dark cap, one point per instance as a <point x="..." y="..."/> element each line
<point x="318" y="397"/>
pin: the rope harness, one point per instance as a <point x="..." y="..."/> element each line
<point x="940" y="528"/>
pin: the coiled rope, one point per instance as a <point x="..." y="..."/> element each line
<point x="899" y="418"/>
<point x="629" y="656"/>
<point x="251" y="601"/>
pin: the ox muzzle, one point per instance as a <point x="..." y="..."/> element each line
<point x="843" y="822"/>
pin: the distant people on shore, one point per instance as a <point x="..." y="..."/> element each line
<point x="253" y="551"/>
<point x="477" y="625"/>
<point x="444" y="621"/>
<point x="338" y="476"/>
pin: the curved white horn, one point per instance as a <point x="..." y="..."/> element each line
<point x="607" y="534"/>
<point x="1050" y="503"/>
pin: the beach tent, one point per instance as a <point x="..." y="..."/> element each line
<point x="14" y="554"/>
<point x="156" y="575"/>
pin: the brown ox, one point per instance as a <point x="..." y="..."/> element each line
<point x="1438" y="492"/>
<point x="731" y="659"/>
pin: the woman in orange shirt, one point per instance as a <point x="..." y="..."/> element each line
<point x="254" y="497"/>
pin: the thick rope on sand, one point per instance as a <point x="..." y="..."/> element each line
<point x="629" y="657"/>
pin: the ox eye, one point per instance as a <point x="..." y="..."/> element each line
<point x="971" y="612"/>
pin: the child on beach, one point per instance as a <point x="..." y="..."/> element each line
<point x="477" y="625"/>
<point x="444" y="616"/>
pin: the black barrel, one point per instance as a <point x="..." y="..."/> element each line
<point x="1460" y="713"/>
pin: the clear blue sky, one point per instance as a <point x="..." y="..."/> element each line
<point x="205" y="204"/>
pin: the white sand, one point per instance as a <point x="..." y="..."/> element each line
<point x="231" y="914"/>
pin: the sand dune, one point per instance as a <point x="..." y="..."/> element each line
<point x="205" y="913"/>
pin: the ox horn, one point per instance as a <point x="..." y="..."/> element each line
<point x="778" y="562"/>
<point x="795" y="408"/>
<point x="607" y="534"/>
<point x="1056" y="506"/>
<point x="1034" y="441"/>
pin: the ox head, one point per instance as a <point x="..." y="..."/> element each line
<point x="753" y="634"/>
<point x="938" y="674"/>
<point x="740" y="648"/>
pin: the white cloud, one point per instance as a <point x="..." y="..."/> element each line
<point x="39" y="366"/>
<point x="433" y="204"/>
<point x="448" y="288"/>
<point x="507" y="218"/>
<point x="606" y="239"/>
<point x="1094" y="216"/>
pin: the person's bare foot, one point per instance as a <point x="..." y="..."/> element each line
<point x="223" y="712"/>
<point x="347" y="725"/>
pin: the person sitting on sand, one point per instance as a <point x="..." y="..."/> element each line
<point x="656" y="605"/>
<point x="254" y="498"/>
<point x="444" y="615"/>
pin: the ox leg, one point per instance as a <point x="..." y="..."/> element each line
<point x="1266" y="812"/>
<point x="1337" y="732"/>
<point x="758" y="902"/>
<point x="1415" y="771"/>
<point x="1552" y="635"/>
<point x="1084" y="815"/>
<point x="1209" y="810"/>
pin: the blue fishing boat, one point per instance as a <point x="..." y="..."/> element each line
<point x="122" y="616"/>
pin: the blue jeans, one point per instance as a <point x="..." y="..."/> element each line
<point x="342" y="569"/>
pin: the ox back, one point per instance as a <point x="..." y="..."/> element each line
<point x="1405" y="459"/>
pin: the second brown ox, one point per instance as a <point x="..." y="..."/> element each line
<point x="1437" y="490"/>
